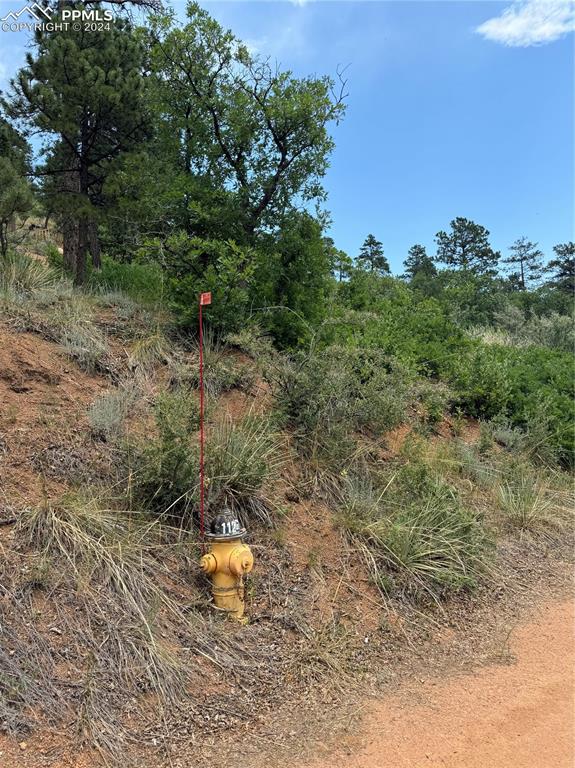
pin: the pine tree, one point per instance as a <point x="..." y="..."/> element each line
<point x="466" y="247"/>
<point x="528" y="259"/>
<point x="419" y="263"/>
<point x="562" y="268"/>
<point x="371" y="256"/>
<point x="86" y="91"/>
<point x="15" y="199"/>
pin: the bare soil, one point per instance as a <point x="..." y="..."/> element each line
<point x="517" y="716"/>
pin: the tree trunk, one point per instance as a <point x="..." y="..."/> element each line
<point x="70" y="242"/>
<point x="94" y="244"/>
<point x="80" y="270"/>
<point x="83" y="226"/>
<point x="70" y="235"/>
<point x="3" y="238"/>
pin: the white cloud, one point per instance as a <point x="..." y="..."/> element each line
<point x="530" y="22"/>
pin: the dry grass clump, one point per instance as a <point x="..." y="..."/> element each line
<point x="103" y="634"/>
<point x="150" y="351"/>
<point x="222" y="372"/>
<point x="58" y="313"/>
<point x="532" y="501"/>
<point x="20" y="274"/>
<point x="241" y="459"/>
<point x="94" y="615"/>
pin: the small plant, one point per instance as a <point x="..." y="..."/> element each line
<point x="150" y="351"/>
<point x="221" y="371"/>
<point x="84" y="344"/>
<point x="108" y="412"/>
<point x="435" y="398"/>
<point x="164" y="469"/>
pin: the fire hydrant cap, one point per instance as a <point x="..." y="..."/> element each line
<point x="226" y="525"/>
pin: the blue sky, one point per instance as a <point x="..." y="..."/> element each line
<point x="456" y="108"/>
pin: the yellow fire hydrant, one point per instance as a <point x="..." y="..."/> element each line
<point x="228" y="561"/>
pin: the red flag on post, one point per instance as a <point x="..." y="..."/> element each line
<point x="205" y="299"/>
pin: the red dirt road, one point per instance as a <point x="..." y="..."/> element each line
<point x="520" y="715"/>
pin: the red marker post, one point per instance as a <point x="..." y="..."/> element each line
<point x="205" y="300"/>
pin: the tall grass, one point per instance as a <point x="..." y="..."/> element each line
<point x="422" y="542"/>
<point x="23" y="274"/>
<point x="241" y="459"/>
<point x="529" y="502"/>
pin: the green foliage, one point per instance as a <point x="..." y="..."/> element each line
<point x="143" y="281"/>
<point x="527" y="259"/>
<point x="329" y="395"/>
<point x="14" y="147"/>
<point x="293" y="279"/>
<point x="164" y="469"/>
<point x="523" y="385"/>
<point x="371" y="256"/>
<point x="240" y="458"/>
<point x="87" y="92"/>
<point x="562" y="268"/>
<point x="15" y="199"/>
<point x="194" y="265"/>
<point x="418" y="265"/>
<point x="231" y="116"/>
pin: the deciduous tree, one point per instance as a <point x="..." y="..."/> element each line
<point x="247" y="126"/>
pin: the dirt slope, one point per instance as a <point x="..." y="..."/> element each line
<point x="517" y="716"/>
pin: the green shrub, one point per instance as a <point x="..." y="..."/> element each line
<point x="164" y="469"/>
<point x="328" y="395"/>
<point x="240" y="459"/>
<point x="532" y="386"/>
